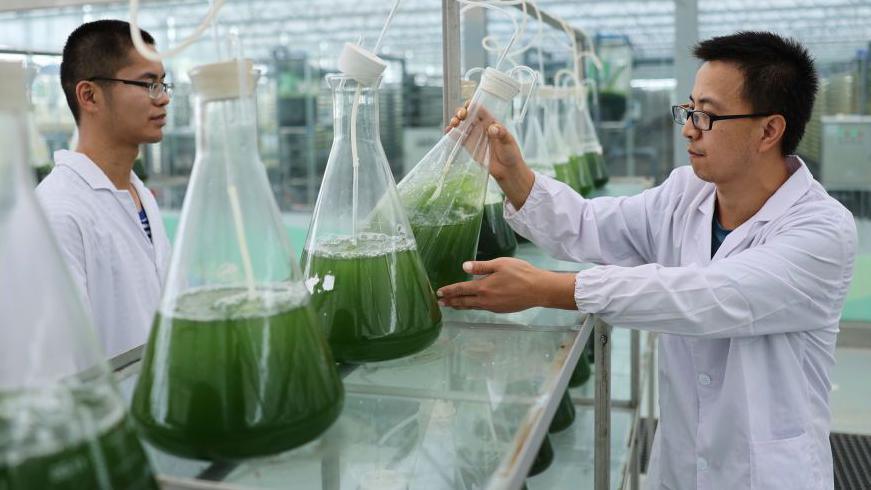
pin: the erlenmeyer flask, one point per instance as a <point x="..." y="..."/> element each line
<point x="569" y="127"/>
<point x="564" y="416"/>
<point x="236" y="365"/>
<point x="496" y="238"/>
<point x="592" y="150"/>
<point x="553" y="140"/>
<point x="63" y="424"/>
<point x="368" y="284"/>
<point x="444" y="193"/>
<point x="534" y="148"/>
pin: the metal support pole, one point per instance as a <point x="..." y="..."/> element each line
<point x="635" y="400"/>
<point x="474" y="28"/>
<point x="686" y="34"/>
<point x="602" y="413"/>
<point x="451" y="95"/>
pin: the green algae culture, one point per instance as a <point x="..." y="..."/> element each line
<point x="564" y="416"/>
<point x="72" y="435"/>
<point x="543" y="458"/>
<point x="581" y="372"/>
<point x="600" y="171"/>
<point x="496" y="238"/>
<point x="581" y="165"/>
<point x="372" y="297"/>
<point x="229" y="375"/>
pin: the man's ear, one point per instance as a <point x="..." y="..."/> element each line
<point x="89" y="97"/>
<point x="772" y="132"/>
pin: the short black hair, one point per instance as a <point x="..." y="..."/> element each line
<point x="95" y="49"/>
<point x="779" y="76"/>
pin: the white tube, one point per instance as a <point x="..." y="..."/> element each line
<point x="152" y="54"/>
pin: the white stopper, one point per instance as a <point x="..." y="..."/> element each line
<point x="13" y="86"/>
<point x="546" y="91"/>
<point x="219" y="81"/>
<point x="360" y="64"/>
<point x="383" y="479"/>
<point x="499" y="84"/>
<point x="467" y="88"/>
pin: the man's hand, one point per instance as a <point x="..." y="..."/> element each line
<point x="509" y="285"/>
<point x="506" y="161"/>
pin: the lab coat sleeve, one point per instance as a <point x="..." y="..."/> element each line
<point x="70" y="240"/>
<point x="603" y="230"/>
<point x="795" y="281"/>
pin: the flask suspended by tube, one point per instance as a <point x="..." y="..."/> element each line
<point x="236" y="365"/>
<point x="369" y="287"/>
<point x="63" y="423"/>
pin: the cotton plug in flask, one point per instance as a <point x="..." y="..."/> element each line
<point x="369" y="287"/>
<point x="444" y="193"/>
<point x="236" y="365"/>
<point x="63" y="423"/>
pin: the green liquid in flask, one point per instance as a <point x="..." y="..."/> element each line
<point x="581" y="165"/>
<point x="543" y="458"/>
<point x="567" y="174"/>
<point x="373" y="298"/>
<point x="599" y="170"/>
<point x="232" y="377"/>
<point x="70" y="439"/>
<point x="445" y="243"/>
<point x="496" y="238"/>
<point x="564" y="416"/>
<point x="581" y="373"/>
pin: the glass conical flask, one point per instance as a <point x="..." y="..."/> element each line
<point x="557" y="147"/>
<point x="236" y="365"/>
<point x="534" y="148"/>
<point x="63" y="424"/>
<point x="569" y="118"/>
<point x="590" y="147"/>
<point x="444" y="193"/>
<point x="368" y="284"/>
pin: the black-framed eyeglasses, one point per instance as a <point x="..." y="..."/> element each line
<point x="704" y="121"/>
<point x="155" y="89"/>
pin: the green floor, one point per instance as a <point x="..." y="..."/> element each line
<point x="857" y="307"/>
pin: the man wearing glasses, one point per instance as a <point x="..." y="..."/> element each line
<point x="106" y="221"/>
<point x="740" y="262"/>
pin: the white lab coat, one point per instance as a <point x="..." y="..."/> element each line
<point x="748" y="337"/>
<point x="118" y="271"/>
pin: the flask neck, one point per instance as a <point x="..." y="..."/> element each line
<point x="353" y="102"/>
<point x="227" y="126"/>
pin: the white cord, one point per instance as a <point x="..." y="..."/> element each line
<point x="151" y="53"/>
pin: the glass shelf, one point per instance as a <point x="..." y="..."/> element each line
<point x="451" y="416"/>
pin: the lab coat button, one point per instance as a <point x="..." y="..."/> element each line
<point x="701" y="464"/>
<point x="704" y="379"/>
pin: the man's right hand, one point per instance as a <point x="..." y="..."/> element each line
<point x="506" y="161"/>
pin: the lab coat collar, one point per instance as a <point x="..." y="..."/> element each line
<point x="796" y="185"/>
<point x="789" y="192"/>
<point x="85" y="168"/>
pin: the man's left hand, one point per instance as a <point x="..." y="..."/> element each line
<point x="509" y="285"/>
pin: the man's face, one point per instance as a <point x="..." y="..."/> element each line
<point x="724" y="153"/>
<point x="134" y="116"/>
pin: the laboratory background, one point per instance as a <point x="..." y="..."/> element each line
<point x="540" y="399"/>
